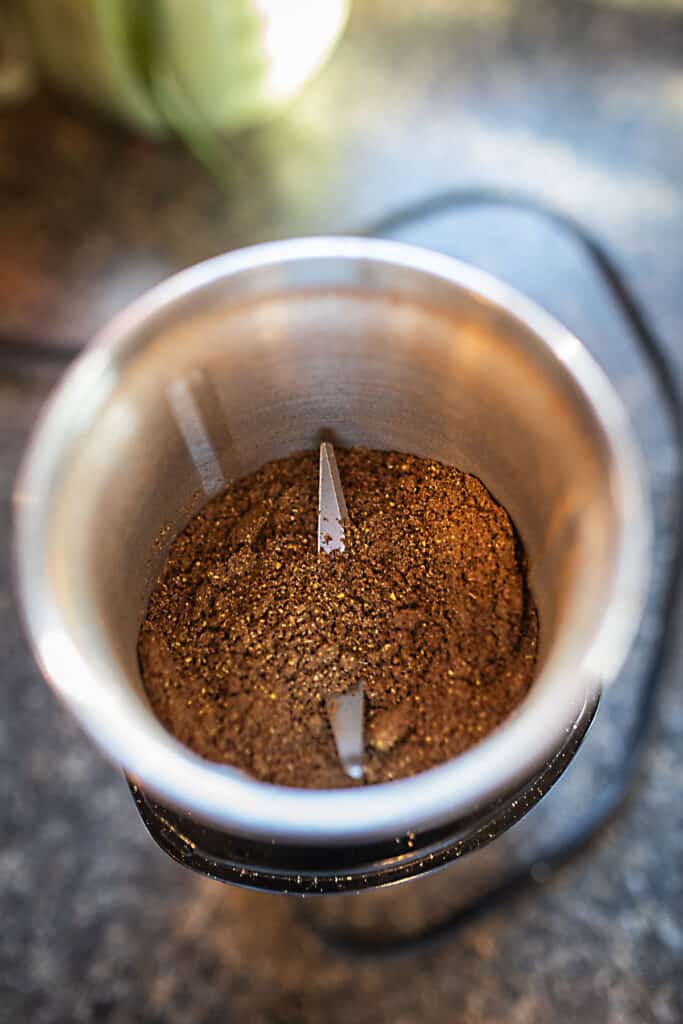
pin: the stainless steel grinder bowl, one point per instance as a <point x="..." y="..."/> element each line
<point x="256" y="354"/>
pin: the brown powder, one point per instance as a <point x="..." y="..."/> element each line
<point x="249" y="628"/>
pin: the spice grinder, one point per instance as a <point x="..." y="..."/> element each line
<point x="266" y="351"/>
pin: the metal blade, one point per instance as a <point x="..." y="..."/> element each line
<point x="332" y="513"/>
<point x="345" y="712"/>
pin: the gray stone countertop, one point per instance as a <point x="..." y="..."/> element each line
<point x="579" y="103"/>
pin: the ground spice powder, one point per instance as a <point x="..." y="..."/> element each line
<point x="249" y="628"/>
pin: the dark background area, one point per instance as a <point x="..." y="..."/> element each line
<point x="577" y="103"/>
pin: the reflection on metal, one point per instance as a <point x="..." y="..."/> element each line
<point x="196" y="436"/>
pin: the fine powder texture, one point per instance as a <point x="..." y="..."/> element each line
<point x="249" y="628"/>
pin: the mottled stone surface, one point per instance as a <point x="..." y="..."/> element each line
<point x="577" y="102"/>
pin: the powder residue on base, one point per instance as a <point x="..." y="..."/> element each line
<point x="249" y="627"/>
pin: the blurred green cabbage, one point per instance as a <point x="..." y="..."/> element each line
<point x="184" y="65"/>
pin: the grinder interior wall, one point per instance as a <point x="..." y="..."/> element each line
<point x="219" y="386"/>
